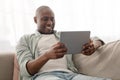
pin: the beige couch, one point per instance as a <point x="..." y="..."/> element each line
<point x="8" y="66"/>
<point x="105" y="62"/>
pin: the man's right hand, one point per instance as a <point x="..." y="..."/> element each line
<point x="56" y="51"/>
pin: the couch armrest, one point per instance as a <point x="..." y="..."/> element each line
<point x="6" y="66"/>
<point x="16" y="69"/>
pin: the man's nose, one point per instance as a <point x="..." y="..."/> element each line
<point x="49" y="23"/>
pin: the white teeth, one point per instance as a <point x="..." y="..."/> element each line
<point x="49" y="28"/>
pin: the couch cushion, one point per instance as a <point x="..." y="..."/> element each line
<point x="6" y="66"/>
<point x="105" y="62"/>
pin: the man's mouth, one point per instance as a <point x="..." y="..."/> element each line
<point x="49" y="28"/>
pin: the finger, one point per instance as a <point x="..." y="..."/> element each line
<point x="88" y="46"/>
<point x="60" y="55"/>
<point x="59" y="45"/>
<point x="61" y="50"/>
<point x="62" y="45"/>
<point x="91" y="48"/>
<point x="89" y="51"/>
<point x="90" y="40"/>
<point x="86" y="52"/>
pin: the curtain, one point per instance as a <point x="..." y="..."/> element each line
<point x="101" y="17"/>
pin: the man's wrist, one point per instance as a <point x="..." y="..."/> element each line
<point x="98" y="43"/>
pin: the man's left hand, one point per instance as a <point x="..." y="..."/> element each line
<point x="88" y="48"/>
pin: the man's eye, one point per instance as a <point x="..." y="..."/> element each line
<point x="45" y="19"/>
<point x="52" y="19"/>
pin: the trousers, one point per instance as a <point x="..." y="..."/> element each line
<point x="61" y="75"/>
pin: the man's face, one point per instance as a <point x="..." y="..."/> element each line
<point x="45" y="22"/>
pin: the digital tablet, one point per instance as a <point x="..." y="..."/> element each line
<point x="74" y="40"/>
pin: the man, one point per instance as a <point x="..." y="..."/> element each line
<point x="42" y="57"/>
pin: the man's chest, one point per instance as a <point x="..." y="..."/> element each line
<point x="46" y="42"/>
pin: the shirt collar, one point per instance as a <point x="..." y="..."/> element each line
<point x="57" y="34"/>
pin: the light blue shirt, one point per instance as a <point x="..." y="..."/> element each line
<point x="27" y="50"/>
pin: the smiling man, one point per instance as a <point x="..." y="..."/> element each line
<point x="42" y="57"/>
<point x="45" y="20"/>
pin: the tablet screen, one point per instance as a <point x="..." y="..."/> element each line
<point x="74" y="40"/>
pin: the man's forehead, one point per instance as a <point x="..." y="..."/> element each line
<point x="45" y="11"/>
<point x="52" y="17"/>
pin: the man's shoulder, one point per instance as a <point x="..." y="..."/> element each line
<point x="28" y="36"/>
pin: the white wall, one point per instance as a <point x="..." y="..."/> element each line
<point x="101" y="17"/>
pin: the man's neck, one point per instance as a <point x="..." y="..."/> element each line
<point x="46" y="33"/>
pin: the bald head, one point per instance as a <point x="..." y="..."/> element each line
<point x="43" y="9"/>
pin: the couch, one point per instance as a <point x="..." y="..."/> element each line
<point x="9" y="69"/>
<point x="105" y="62"/>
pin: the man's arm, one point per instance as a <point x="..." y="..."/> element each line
<point x="33" y="66"/>
<point x="23" y="55"/>
<point x="28" y="65"/>
<point x="56" y="51"/>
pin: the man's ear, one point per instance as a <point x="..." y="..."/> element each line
<point x="35" y="19"/>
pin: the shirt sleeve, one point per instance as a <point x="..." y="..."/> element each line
<point x="23" y="55"/>
<point x="97" y="41"/>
